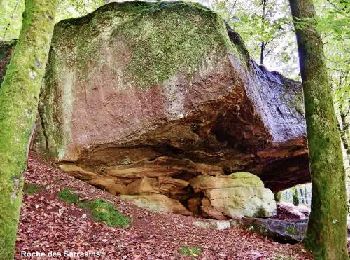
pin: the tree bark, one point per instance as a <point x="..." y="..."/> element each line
<point x="19" y="95"/>
<point x="263" y="44"/>
<point x="327" y="232"/>
<point x="262" y="49"/>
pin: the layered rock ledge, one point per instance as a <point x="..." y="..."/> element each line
<point x="143" y="99"/>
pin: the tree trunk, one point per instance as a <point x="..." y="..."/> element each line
<point x="262" y="44"/>
<point x="262" y="49"/>
<point x="19" y="94"/>
<point x="327" y="232"/>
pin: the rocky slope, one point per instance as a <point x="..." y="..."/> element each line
<point x="48" y="224"/>
<point x="142" y="98"/>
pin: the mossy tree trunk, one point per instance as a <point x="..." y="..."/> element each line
<point x="19" y="95"/>
<point x="327" y="233"/>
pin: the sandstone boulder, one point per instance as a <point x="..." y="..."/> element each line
<point x="237" y="179"/>
<point x="78" y="172"/>
<point x="143" y="185"/>
<point x="134" y="82"/>
<point x="148" y="96"/>
<point x="237" y="195"/>
<point x="110" y="185"/>
<point x="157" y="203"/>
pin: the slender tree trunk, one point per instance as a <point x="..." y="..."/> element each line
<point x="263" y="44"/>
<point x="19" y="94"/>
<point x="327" y="232"/>
<point x="262" y="50"/>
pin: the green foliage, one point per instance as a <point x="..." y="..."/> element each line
<point x="76" y="8"/>
<point x="11" y="19"/>
<point x="32" y="188"/>
<point x="105" y="212"/>
<point x="333" y="22"/>
<point x="68" y="196"/>
<point x="271" y="26"/>
<point x="292" y="230"/>
<point x="11" y="14"/>
<point x="193" y="251"/>
<point x="100" y="210"/>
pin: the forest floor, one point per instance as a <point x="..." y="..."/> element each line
<point x="50" y="226"/>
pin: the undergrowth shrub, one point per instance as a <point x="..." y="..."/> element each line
<point x="99" y="209"/>
<point x="193" y="251"/>
<point x="32" y="188"/>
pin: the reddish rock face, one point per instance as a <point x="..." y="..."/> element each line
<point x="189" y="103"/>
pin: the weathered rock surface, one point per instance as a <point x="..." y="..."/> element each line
<point x="237" y="195"/>
<point x="140" y="98"/>
<point x="157" y="203"/>
<point x="290" y="211"/>
<point x="285" y="231"/>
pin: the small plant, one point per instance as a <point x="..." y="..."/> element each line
<point x="31" y="188"/>
<point x="68" y="196"/>
<point x="100" y="210"/>
<point x="260" y="213"/>
<point x="193" y="251"/>
<point x="106" y="212"/>
<point x="291" y="230"/>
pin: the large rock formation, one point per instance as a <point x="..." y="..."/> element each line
<point x="237" y="195"/>
<point x="140" y="98"/>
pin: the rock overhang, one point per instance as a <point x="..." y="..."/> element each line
<point x="138" y="90"/>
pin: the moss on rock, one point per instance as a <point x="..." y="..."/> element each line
<point x="140" y="44"/>
<point x="162" y="38"/>
<point x="169" y="39"/>
<point x="246" y="178"/>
